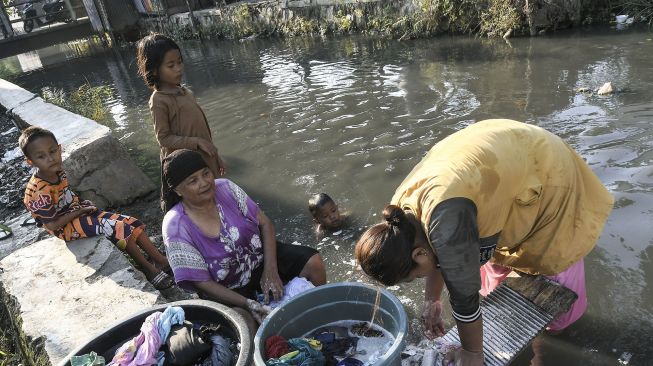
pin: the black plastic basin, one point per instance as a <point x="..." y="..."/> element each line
<point x="233" y="326"/>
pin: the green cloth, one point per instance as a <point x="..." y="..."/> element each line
<point x="91" y="359"/>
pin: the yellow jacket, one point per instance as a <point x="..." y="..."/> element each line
<point x="526" y="183"/>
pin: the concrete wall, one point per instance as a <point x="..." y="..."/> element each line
<point x="98" y="168"/>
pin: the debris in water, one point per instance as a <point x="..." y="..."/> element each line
<point x="606" y="89"/>
<point x="625" y="357"/>
<point x="365" y="329"/>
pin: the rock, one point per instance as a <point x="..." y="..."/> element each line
<point x="583" y="90"/>
<point x="606" y="89"/>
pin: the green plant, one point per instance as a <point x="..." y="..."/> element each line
<point x="87" y="100"/>
<point x="500" y="17"/>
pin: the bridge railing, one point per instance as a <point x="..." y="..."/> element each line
<point x="36" y="17"/>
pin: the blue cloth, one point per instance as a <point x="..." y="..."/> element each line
<point x="172" y="315"/>
<point x="307" y="355"/>
<point x="350" y="362"/>
<point x="220" y="354"/>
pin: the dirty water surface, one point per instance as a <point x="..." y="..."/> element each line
<point x="352" y="116"/>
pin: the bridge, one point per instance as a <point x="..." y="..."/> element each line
<point x="41" y="23"/>
<point x="44" y="37"/>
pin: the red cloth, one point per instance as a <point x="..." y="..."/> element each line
<point x="275" y="347"/>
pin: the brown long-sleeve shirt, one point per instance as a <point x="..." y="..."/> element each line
<point x="180" y="123"/>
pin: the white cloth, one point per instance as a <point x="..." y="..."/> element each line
<point x="293" y="288"/>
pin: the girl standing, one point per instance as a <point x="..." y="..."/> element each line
<point x="179" y="122"/>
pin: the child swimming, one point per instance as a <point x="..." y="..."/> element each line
<point x="325" y="213"/>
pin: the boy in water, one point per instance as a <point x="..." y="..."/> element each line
<point x="58" y="209"/>
<point x="325" y="213"/>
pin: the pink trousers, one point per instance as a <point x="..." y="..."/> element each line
<point x="572" y="278"/>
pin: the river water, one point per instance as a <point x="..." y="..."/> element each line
<point x="352" y="116"/>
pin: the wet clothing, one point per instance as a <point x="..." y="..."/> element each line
<point x="506" y="190"/>
<point x="234" y="258"/>
<point x="572" y="278"/>
<point x="180" y="123"/>
<point x="48" y="201"/>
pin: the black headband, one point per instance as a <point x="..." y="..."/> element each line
<point x="180" y="164"/>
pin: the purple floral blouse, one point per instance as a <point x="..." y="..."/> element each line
<point x="231" y="257"/>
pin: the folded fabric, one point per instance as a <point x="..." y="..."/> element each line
<point x="140" y="350"/>
<point x="91" y="359"/>
<point x="171" y="315"/>
<point x="339" y="346"/>
<point x="275" y="347"/>
<point x="185" y="346"/>
<point x="306" y="355"/>
<point x="221" y="354"/>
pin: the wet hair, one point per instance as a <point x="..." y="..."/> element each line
<point x="31" y="134"/>
<point x="177" y="166"/>
<point x="317" y="202"/>
<point x="149" y="56"/>
<point x="384" y="251"/>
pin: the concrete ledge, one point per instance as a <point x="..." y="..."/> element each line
<point x="69" y="292"/>
<point x="12" y="95"/>
<point x="98" y="168"/>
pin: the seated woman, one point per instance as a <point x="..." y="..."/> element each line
<point x="221" y="244"/>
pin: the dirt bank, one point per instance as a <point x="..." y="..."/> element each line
<point x="15" y="173"/>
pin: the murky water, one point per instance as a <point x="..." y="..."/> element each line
<point x="352" y="116"/>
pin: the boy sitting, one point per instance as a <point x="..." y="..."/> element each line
<point x="58" y="209"/>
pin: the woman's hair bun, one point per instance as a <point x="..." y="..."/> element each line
<point x="393" y="215"/>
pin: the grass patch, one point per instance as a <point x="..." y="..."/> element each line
<point x="15" y="347"/>
<point x="87" y="101"/>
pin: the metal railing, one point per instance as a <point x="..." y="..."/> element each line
<point x="72" y="10"/>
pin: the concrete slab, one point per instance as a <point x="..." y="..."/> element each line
<point x="12" y="95"/>
<point x="69" y="292"/>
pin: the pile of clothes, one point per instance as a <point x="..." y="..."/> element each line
<point x="166" y="338"/>
<point x="327" y="346"/>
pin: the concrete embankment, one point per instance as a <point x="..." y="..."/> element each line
<point x="55" y="295"/>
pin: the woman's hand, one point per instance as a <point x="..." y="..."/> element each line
<point x="462" y="357"/>
<point x="222" y="167"/>
<point x="207" y="147"/>
<point x="432" y="319"/>
<point x="271" y="283"/>
<point x="258" y="311"/>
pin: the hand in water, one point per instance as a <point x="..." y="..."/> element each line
<point x="432" y="319"/>
<point x="462" y="357"/>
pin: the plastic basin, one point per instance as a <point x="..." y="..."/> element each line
<point x="232" y="325"/>
<point x="334" y="302"/>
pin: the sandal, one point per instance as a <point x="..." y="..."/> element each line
<point x="5" y="232"/>
<point x="28" y="222"/>
<point x="167" y="269"/>
<point x="162" y="281"/>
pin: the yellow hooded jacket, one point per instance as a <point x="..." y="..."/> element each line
<point x="527" y="184"/>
